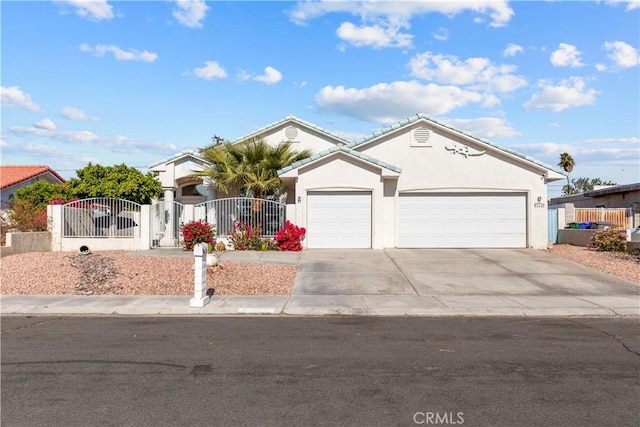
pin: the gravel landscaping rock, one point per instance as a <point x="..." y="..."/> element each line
<point x="118" y="273"/>
<point x="623" y="265"/>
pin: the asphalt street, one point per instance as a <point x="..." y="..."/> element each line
<point x="329" y="371"/>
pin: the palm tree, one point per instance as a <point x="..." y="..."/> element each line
<point x="250" y="164"/>
<point x="567" y="163"/>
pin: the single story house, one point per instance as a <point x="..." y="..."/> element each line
<point x="14" y="177"/>
<point x="416" y="184"/>
<point x="614" y="196"/>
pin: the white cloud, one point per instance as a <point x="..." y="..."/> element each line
<point x="512" y="49"/>
<point x="191" y="13"/>
<point x="546" y="149"/>
<point x="58" y="134"/>
<point x="12" y="96"/>
<point x="601" y="67"/>
<point x="117" y="143"/>
<point x="498" y="11"/>
<point x="603" y="156"/>
<point x="270" y="76"/>
<point x="383" y="22"/>
<point x="600" y="141"/>
<point x="120" y="54"/>
<point x="377" y="36"/>
<point x="92" y="10"/>
<point x="46" y="124"/>
<point x="485" y="127"/>
<point x="622" y="54"/>
<point x="569" y="93"/>
<point x="210" y="71"/>
<point x="441" y="34"/>
<point x="73" y="113"/>
<point x="566" y="55"/>
<point x="630" y="4"/>
<point x="476" y="72"/>
<point x="389" y="102"/>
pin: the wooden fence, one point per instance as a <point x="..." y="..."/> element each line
<point x="619" y="218"/>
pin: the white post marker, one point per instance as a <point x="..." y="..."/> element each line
<point x="200" y="298"/>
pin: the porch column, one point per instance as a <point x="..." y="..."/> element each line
<point x="169" y="220"/>
<point x="213" y="214"/>
<point x="210" y="186"/>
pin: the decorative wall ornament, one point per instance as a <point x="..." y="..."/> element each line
<point x="466" y="151"/>
<point x="291" y="133"/>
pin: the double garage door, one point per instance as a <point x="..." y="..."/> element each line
<point x="343" y="220"/>
<point x="462" y="221"/>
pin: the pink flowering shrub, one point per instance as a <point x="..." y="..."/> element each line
<point x="289" y="238"/>
<point x="195" y="232"/>
<point x="248" y="238"/>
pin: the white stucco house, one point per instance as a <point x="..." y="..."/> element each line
<point x="416" y="184"/>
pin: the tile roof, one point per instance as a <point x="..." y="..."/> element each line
<point x="193" y="153"/>
<point x="421" y="116"/>
<point x="11" y="175"/>
<point x="292" y="118"/>
<point x="343" y="149"/>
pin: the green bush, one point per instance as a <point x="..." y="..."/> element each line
<point x="28" y="215"/>
<point x="609" y="241"/>
<point x="42" y="192"/>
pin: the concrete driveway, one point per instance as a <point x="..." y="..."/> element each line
<point x="450" y="272"/>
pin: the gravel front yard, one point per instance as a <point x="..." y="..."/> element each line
<point x="623" y="265"/>
<point x="116" y="273"/>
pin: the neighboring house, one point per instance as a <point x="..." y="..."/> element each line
<point x="13" y="178"/>
<point x="416" y="184"/>
<point x="616" y="196"/>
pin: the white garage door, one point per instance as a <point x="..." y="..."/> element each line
<point x="339" y="219"/>
<point x="462" y="221"/>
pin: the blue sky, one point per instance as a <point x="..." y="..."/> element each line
<point x="135" y="82"/>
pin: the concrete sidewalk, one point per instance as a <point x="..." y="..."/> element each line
<point x="326" y="305"/>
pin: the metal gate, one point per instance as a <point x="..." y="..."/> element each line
<point x="101" y="217"/>
<point x="226" y="214"/>
<point x="553" y="225"/>
<point x="166" y="219"/>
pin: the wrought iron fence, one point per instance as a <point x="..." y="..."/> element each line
<point x="101" y="217"/>
<point x="617" y="217"/>
<point x="226" y="214"/>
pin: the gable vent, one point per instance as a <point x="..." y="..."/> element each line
<point x="291" y="133"/>
<point x="421" y="135"/>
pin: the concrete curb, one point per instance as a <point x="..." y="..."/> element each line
<point x="325" y="305"/>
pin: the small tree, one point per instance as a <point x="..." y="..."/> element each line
<point x="252" y="164"/>
<point x="567" y="163"/>
<point x="581" y="185"/>
<point x="119" y="181"/>
<point x="42" y="192"/>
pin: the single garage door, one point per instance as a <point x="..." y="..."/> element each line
<point x="462" y="221"/>
<point x="339" y="219"/>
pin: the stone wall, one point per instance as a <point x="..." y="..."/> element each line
<point x="19" y="243"/>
